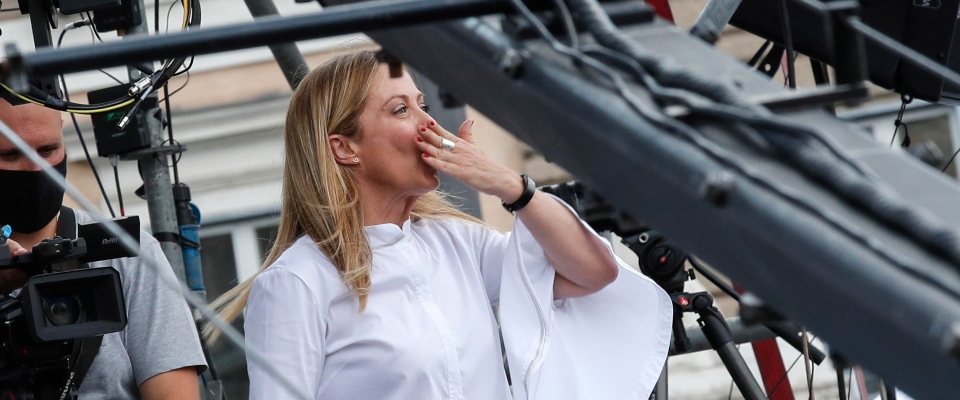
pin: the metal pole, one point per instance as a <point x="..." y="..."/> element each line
<point x="264" y="31"/>
<point x="697" y="339"/>
<point x="714" y="17"/>
<point x="156" y="172"/>
<point x="288" y="56"/>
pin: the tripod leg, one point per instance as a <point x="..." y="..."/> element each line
<point x="718" y="334"/>
<point x="841" y="385"/>
<point x="740" y="372"/>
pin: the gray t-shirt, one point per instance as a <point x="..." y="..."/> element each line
<point x="160" y="335"/>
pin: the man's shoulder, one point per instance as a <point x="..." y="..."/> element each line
<point x="84" y="217"/>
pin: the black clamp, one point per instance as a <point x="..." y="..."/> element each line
<point x="172" y="237"/>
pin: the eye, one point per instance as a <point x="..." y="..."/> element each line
<point x="401" y="109"/>
<point x="425" y="108"/>
<point x="10" y="155"/>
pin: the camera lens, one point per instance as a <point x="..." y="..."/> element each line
<point x="62" y="309"/>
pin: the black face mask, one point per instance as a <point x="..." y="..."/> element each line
<point x="30" y="199"/>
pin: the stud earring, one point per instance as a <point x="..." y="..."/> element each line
<point x="356" y="160"/>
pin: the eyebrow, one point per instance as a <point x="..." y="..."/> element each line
<point x="419" y="97"/>
<point x="13" y="151"/>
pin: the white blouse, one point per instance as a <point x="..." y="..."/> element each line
<point x="428" y="331"/>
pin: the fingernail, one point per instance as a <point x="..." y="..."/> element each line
<point x="425" y="155"/>
<point x="419" y="139"/>
<point x="432" y="123"/>
<point x="21" y="252"/>
<point x="423" y="129"/>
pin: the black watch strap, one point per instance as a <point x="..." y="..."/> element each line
<point x="529" y="188"/>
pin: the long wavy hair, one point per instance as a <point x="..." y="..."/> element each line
<point x="320" y="198"/>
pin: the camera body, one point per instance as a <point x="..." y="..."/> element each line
<point x="59" y="316"/>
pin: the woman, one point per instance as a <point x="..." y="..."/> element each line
<point x="377" y="288"/>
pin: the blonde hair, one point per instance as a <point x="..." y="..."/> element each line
<point x="320" y="197"/>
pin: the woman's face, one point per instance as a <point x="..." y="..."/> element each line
<point x="390" y="162"/>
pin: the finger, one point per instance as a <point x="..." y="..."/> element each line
<point x="438" y="164"/>
<point x="428" y="149"/>
<point x="466" y="131"/>
<point x="430" y="136"/>
<point x="435" y="127"/>
<point x="15" y="248"/>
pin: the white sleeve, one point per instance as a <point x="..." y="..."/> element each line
<point x="611" y="344"/>
<point x="284" y="324"/>
<point x="493" y="246"/>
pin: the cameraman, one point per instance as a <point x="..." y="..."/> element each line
<point x="157" y="355"/>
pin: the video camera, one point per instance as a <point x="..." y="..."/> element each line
<point x="52" y="328"/>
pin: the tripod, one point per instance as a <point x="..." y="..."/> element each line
<point x="664" y="262"/>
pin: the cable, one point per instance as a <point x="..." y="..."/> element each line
<point x="114" y="160"/>
<point x="191" y="17"/>
<point x="86" y="152"/>
<point x="156" y="80"/>
<point x="76" y="126"/>
<point x="714" y="278"/>
<point x="788" y="44"/>
<point x="790" y="368"/>
<point x="95" y="32"/>
<point x="96" y="37"/>
<point x="568" y="23"/>
<point x="74" y="108"/>
<point x="166" y="102"/>
<point x="950" y="160"/>
<point x="178" y="89"/>
<point x="904" y="100"/>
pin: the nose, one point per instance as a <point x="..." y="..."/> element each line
<point x="425" y="118"/>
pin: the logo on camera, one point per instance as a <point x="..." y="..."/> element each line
<point x="927" y="3"/>
<point x="112" y="240"/>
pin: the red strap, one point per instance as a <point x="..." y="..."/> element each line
<point x="772" y="371"/>
<point x="662" y="7"/>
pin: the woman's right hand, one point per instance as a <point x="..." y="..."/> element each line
<point x="467" y="163"/>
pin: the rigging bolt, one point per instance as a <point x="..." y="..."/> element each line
<point x="717" y="188"/>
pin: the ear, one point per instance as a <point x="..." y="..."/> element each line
<point x="344" y="150"/>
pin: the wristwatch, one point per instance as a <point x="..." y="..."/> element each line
<point x="529" y="187"/>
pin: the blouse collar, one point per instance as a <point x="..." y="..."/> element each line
<point x="386" y="235"/>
